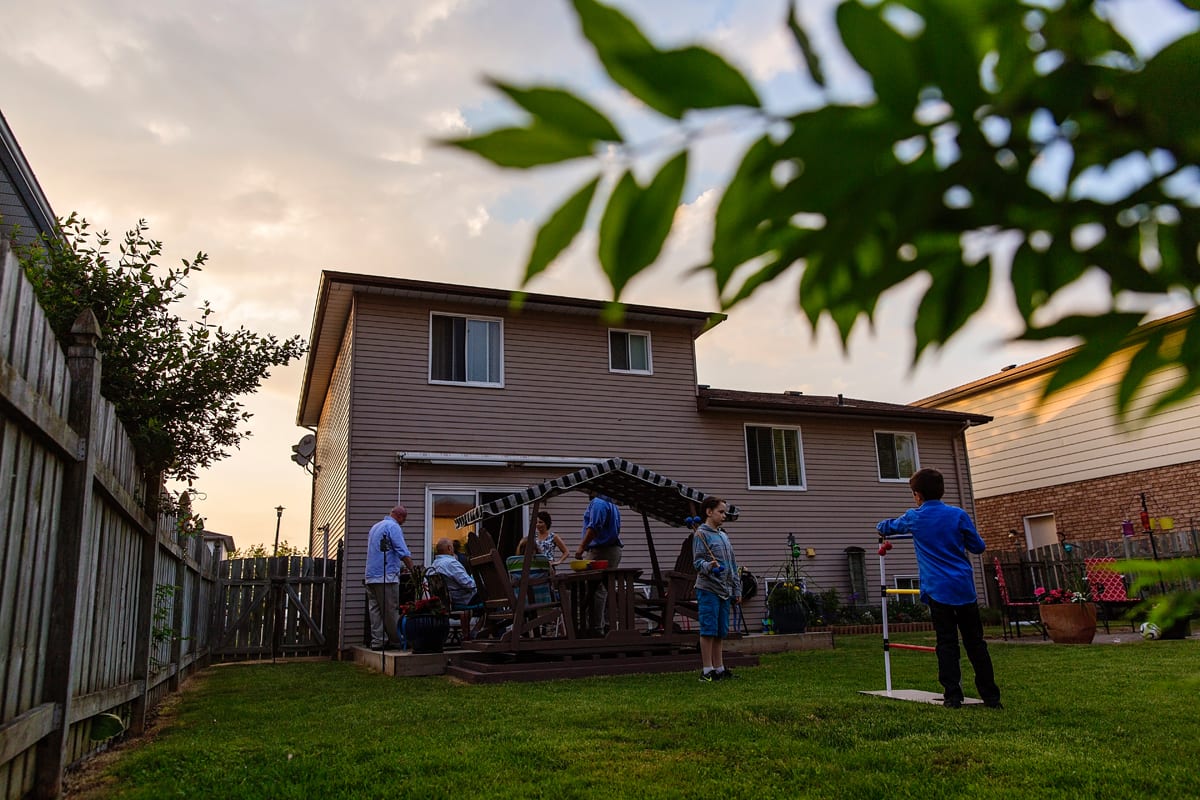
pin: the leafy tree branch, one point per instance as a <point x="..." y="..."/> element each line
<point x="994" y="116"/>
<point x="175" y="383"/>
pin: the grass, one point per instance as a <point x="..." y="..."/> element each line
<point x="1115" y="721"/>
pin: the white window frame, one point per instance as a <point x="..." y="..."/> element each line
<point x="879" y="465"/>
<point x="462" y="488"/>
<point x="649" y="370"/>
<point x="906" y="582"/>
<point x="800" y="487"/>
<point x="499" y="382"/>
<point x="1035" y="525"/>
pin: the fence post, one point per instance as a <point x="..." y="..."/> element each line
<point x="145" y="618"/>
<point x="83" y="361"/>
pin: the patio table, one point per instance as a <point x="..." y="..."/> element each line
<point x="578" y="587"/>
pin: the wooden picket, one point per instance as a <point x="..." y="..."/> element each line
<point x="85" y="561"/>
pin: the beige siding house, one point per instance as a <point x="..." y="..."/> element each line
<point x="1067" y="466"/>
<point x="443" y="397"/>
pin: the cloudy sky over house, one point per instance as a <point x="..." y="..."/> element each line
<point x="283" y="138"/>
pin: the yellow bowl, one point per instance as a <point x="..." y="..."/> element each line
<point x="579" y="564"/>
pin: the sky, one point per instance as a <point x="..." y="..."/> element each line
<point x="287" y="137"/>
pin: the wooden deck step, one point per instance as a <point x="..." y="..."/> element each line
<point x="478" y="668"/>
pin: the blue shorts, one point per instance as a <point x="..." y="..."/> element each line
<point x="714" y="614"/>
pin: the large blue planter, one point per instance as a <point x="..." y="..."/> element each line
<point x="791" y="618"/>
<point x="426" y="633"/>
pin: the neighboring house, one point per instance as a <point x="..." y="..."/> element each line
<point x="23" y="206"/>
<point x="1067" y="467"/>
<point x="219" y="544"/>
<point x="443" y="397"/>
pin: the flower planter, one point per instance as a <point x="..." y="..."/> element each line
<point x="1069" y="623"/>
<point x="790" y="618"/>
<point x="427" y="632"/>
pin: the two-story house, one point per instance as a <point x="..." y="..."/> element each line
<point x="1068" y="467"/>
<point x="443" y="397"/>
<point x="24" y="210"/>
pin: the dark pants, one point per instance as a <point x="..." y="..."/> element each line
<point x="948" y="622"/>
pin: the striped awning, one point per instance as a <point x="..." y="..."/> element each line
<point x="638" y="488"/>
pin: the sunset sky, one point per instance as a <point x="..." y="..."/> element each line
<point x="283" y="138"/>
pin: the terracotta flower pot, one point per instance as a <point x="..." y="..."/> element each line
<point x="1070" y="623"/>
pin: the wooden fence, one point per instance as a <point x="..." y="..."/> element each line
<point x="282" y="606"/>
<point x="103" y="607"/>
<point x="1054" y="567"/>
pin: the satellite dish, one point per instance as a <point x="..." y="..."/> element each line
<point x="299" y="459"/>
<point x="306" y="446"/>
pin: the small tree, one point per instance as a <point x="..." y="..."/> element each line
<point x="263" y="551"/>
<point x="175" y="384"/>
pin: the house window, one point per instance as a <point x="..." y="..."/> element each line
<point x="907" y="582"/>
<point x="629" y="351"/>
<point x="444" y="504"/>
<point x="774" y="458"/>
<point x="897" y="455"/>
<point x="465" y="350"/>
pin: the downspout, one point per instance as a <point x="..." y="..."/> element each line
<point x="963" y="472"/>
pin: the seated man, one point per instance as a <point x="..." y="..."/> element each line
<point x="460" y="585"/>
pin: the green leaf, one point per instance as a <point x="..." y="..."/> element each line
<point x="957" y="292"/>
<point x="1166" y="94"/>
<point x="563" y="111"/>
<point x="883" y="53"/>
<point x="744" y="206"/>
<point x="811" y="60"/>
<point x="1146" y="360"/>
<point x="612" y="226"/>
<point x="1102" y="335"/>
<point x="647" y="221"/>
<point x="524" y="147"/>
<point x="677" y="81"/>
<point x="669" y="82"/>
<point x="1037" y="276"/>
<point x="559" y="231"/>
<point x="947" y="55"/>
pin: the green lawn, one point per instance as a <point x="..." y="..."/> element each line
<point x="1098" y="721"/>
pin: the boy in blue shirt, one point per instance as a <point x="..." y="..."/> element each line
<point x="942" y="536"/>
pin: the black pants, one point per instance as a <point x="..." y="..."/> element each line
<point x="948" y="622"/>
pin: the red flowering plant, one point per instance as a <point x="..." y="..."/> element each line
<point x="432" y="606"/>
<point x="1051" y="597"/>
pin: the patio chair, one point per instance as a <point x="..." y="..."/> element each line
<point x="460" y="616"/>
<point x="1014" y="612"/>
<point x="672" y="596"/>
<point x="498" y="617"/>
<point x="1109" y="591"/>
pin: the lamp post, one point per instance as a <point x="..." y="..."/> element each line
<point x="278" y="518"/>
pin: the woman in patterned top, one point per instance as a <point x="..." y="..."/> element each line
<point x="548" y="542"/>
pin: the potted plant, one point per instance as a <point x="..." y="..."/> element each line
<point x="785" y="604"/>
<point x="426" y="624"/>
<point x="1068" y="614"/>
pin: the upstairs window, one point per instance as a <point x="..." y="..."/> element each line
<point x="897" y="455"/>
<point x="774" y="458"/>
<point x="629" y="351"/>
<point x="467" y="350"/>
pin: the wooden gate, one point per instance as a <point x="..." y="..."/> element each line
<point x="274" y="607"/>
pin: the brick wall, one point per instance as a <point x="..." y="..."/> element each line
<point x="1093" y="509"/>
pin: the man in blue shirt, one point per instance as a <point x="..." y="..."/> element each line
<point x="388" y="560"/>
<point x="942" y="536"/>
<point x="601" y="539"/>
